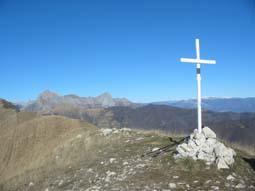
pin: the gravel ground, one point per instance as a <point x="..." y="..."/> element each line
<point x="119" y="165"/>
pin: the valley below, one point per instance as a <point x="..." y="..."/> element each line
<point x="104" y="111"/>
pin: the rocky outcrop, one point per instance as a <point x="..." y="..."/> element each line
<point x="109" y="131"/>
<point x="7" y="105"/>
<point x="49" y="102"/>
<point x="205" y="146"/>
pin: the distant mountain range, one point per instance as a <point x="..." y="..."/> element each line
<point x="174" y="116"/>
<point x="233" y="127"/>
<point x="216" y="104"/>
<point x="49" y="102"/>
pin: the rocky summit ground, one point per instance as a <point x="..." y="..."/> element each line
<point x="89" y="159"/>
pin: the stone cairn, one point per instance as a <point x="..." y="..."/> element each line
<point x="205" y="146"/>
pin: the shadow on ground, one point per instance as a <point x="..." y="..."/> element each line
<point x="251" y="162"/>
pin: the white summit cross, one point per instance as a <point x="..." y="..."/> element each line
<point x="198" y="61"/>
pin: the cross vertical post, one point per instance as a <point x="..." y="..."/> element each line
<point x="199" y="107"/>
<point x="198" y="61"/>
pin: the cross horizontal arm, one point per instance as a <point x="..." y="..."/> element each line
<point x="198" y="61"/>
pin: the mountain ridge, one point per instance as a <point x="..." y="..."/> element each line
<point x="107" y="112"/>
<point x="218" y="104"/>
<point x="48" y="102"/>
<point x="104" y="100"/>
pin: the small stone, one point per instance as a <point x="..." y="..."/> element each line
<point x="115" y="131"/>
<point x="172" y="185"/>
<point x="107" y="179"/>
<point x="61" y="182"/>
<point x="47" y="189"/>
<point x="221" y="164"/>
<point x="110" y="173"/>
<point x="125" y="163"/>
<point x="240" y="185"/>
<point x="139" y="138"/>
<point x="175" y="177"/>
<point x="79" y="136"/>
<point x="215" y="187"/>
<point x="230" y="177"/>
<point x="106" y="131"/>
<point x="140" y="166"/>
<point x="155" y="149"/>
<point x="208" y="163"/>
<point x="126" y="129"/>
<point x="112" y="160"/>
<point x="31" y="184"/>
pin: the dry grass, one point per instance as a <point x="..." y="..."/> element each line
<point x="162" y="133"/>
<point x="41" y="148"/>
<point x="245" y="149"/>
<point x="248" y="149"/>
<point x="41" y="145"/>
<point x="80" y="146"/>
<point x="31" y="144"/>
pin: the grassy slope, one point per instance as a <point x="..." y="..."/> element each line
<point x="28" y="143"/>
<point x="64" y="154"/>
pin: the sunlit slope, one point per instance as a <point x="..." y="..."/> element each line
<point x="40" y="153"/>
<point x="28" y="143"/>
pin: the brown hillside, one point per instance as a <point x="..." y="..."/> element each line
<point x="54" y="153"/>
<point x="29" y="142"/>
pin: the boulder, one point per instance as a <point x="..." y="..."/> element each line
<point x="230" y="177"/>
<point x="208" y="133"/>
<point x="106" y="131"/>
<point x="206" y="148"/>
<point x="211" y="141"/>
<point x="199" y="139"/>
<point x="221" y="164"/>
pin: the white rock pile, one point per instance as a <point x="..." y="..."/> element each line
<point x="109" y="131"/>
<point x="205" y="146"/>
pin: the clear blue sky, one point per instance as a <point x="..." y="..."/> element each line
<point x="129" y="48"/>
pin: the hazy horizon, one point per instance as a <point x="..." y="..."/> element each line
<point x="113" y="96"/>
